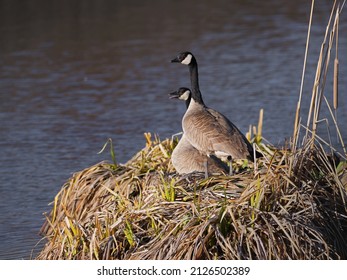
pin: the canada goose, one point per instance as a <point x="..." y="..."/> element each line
<point x="187" y="159"/>
<point x="208" y="130"/>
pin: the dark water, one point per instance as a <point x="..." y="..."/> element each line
<point x="75" y="73"/>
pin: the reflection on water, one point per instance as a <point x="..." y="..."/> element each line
<point x="75" y="73"/>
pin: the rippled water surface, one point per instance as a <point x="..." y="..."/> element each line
<point x="75" y="73"/>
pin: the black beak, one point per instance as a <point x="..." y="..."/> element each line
<point x="173" y="95"/>
<point x="175" y="60"/>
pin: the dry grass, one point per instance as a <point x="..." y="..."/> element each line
<point x="144" y="210"/>
<point x="290" y="205"/>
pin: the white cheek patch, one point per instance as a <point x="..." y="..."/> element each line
<point x="187" y="60"/>
<point x="185" y="95"/>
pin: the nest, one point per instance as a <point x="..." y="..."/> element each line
<point x="288" y="206"/>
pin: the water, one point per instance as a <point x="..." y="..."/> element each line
<point x="75" y="73"/>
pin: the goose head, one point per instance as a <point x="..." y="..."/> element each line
<point x="182" y="94"/>
<point x="185" y="58"/>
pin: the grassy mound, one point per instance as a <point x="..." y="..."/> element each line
<point x="290" y="205"/>
<point x="143" y="210"/>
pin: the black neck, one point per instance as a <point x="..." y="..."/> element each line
<point x="188" y="101"/>
<point x="194" y="80"/>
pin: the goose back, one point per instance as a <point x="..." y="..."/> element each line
<point x="211" y="132"/>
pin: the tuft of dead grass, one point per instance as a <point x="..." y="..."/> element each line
<point x="144" y="210"/>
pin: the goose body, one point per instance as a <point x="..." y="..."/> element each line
<point x="212" y="133"/>
<point x="185" y="157"/>
<point x="206" y="129"/>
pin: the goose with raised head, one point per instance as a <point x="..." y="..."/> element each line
<point x="206" y="129"/>
<point x="187" y="159"/>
